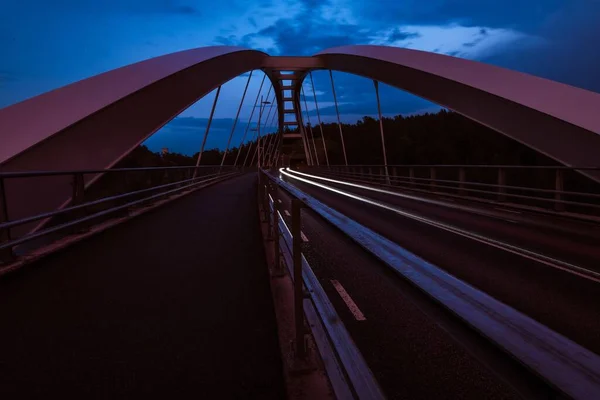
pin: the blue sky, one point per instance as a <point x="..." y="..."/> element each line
<point x="48" y="44"/>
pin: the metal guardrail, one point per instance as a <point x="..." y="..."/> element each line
<point x="88" y="205"/>
<point x="554" y="198"/>
<point x="566" y="366"/>
<point x="347" y="370"/>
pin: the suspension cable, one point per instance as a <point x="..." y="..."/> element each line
<point x="310" y="126"/>
<point x="338" y="117"/>
<point x="236" y="118"/>
<point x="256" y="134"/>
<point x="376" y="83"/>
<point x="212" y="113"/>
<point x="319" y="118"/>
<point x="249" y="120"/>
<point x="302" y="130"/>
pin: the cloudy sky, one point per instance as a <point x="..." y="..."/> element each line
<point x="46" y="44"/>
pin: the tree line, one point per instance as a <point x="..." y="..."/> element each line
<point x="444" y="137"/>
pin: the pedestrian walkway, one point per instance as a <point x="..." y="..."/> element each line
<point x="172" y="304"/>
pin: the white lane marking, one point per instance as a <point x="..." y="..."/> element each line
<point x="279" y="200"/>
<point x="348" y="300"/>
<point x="510" y="220"/>
<point x="304" y="238"/>
<point x="531" y="255"/>
<point x="510" y="211"/>
<point x="287" y="213"/>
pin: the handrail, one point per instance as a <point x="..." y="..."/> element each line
<point x="180" y="186"/>
<point x="38" y="217"/>
<point x="409" y="179"/>
<point x="356" y="373"/>
<point x="563" y="364"/>
<point x="34" y="174"/>
<point x="495" y="193"/>
<point x="589" y="168"/>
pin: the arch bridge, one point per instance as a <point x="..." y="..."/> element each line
<point x="117" y="298"/>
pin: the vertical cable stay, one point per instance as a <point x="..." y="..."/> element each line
<point x="212" y="113"/>
<point x="270" y="109"/>
<point x="249" y="121"/>
<point x="337" y="112"/>
<point x="270" y="125"/>
<point x="258" y="126"/>
<point x="319" y="118"/>
<point x="301" y="130"/>
<point x="312" y="136"/>
<point x="385" y="164"/>
<point x="266" y="139"/>
<point x="256" y="134"/>
<point x="275" y="150"/>
<point x="237" y="116"/>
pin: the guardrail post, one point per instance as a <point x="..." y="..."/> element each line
<point x="6" y="255"/>
<point x="461" y="181"/>
<point x="432" y="178"/>
<point x="381" y="174"/>
<point x="501" y="184"/>
<point x="270" y="223"/>
<point x="559" y="187"/>
<point x="411" y="176"/>
<point x="300" y="345"/>
<point x="265" y="200"/>
<point x="278" y="271"/>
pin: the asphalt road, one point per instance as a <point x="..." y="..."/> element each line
<point x="562" y="301"/>
<point x="411" y="356"/>
<point x="172" y="304"/>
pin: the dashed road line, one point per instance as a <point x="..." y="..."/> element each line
<point x="358" y="315"/>
<point x="304" y="238"/>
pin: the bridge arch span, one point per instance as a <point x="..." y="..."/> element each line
<point x="558" y="120"/>
<point x="93" y="123"/>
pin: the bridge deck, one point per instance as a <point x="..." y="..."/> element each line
<point x="172" y="304"/>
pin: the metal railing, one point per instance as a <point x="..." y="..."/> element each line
<point x="531" y="186"/>
<point x="96" y="196"/>
<point x="565" y="368"/>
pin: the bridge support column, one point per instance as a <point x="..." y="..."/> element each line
<point x="300" y="344"/>
<point x="6" y="254"/>
<point x="501" y="184"/>
<point x="559" y="187"/>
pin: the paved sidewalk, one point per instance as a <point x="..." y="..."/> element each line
<point x="172" y="304"/>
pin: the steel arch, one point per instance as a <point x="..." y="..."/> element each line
<point x="93" y="123"/>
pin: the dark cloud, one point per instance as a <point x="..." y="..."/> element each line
<point x="399" y="34"/>
<point x="516" y="14"/>
<point x="305" y="35"/>
<point x="185" y="10"/>
<point x="6" y="77"/>
<point x="570" y="55"/>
